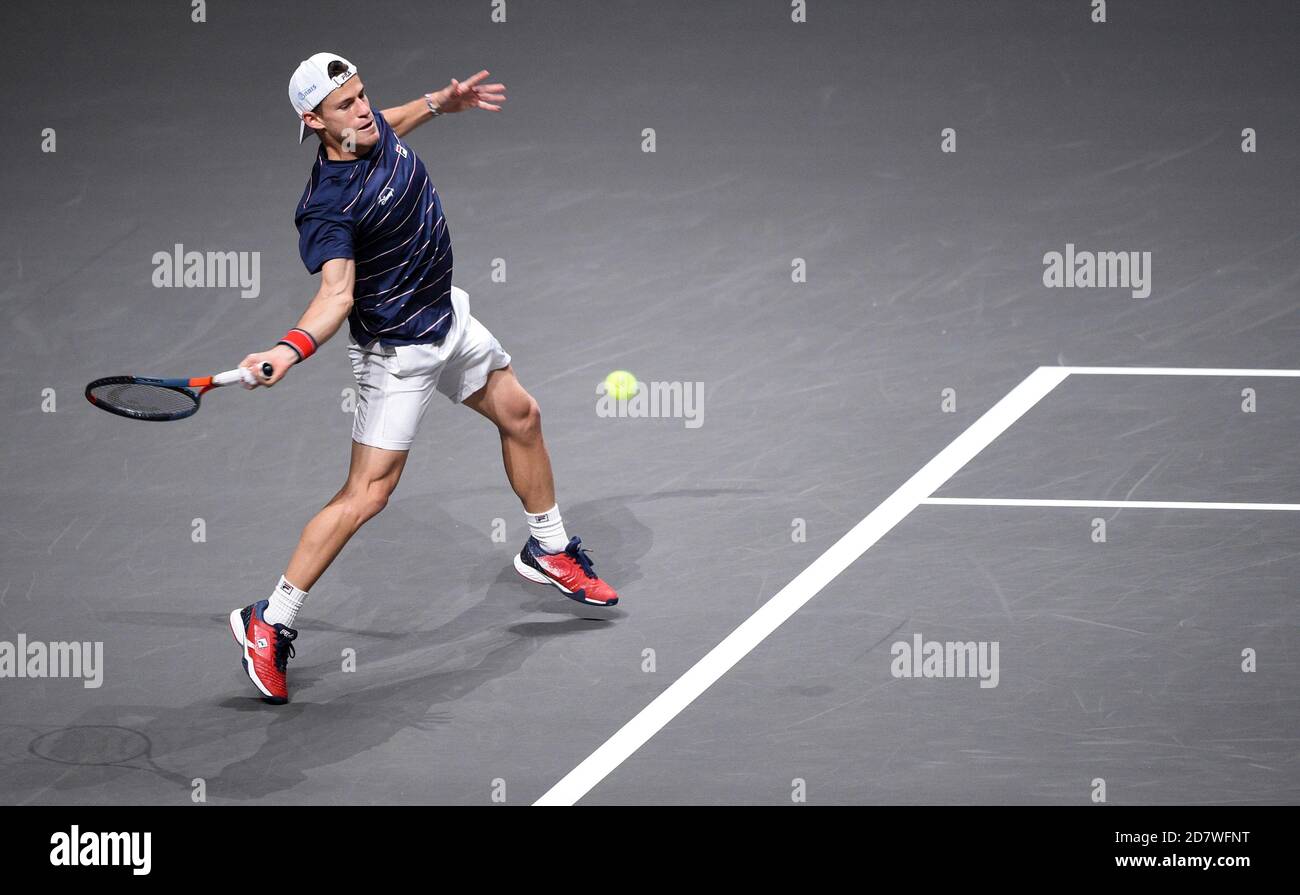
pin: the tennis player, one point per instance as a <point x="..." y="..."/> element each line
<point x="371" y="223"/>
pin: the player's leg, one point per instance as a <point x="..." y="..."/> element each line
<point x="264" y="630"/>
<point x="519" y="422"/>
<point x="550" y="556"/>
<point x="372" y="476"/>
<point x="477" y="373"/>
<point x="391" y="400"/>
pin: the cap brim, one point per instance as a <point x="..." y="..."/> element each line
<point x="302" y="131"/>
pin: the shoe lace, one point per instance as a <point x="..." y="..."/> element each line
<point x="580" y="554"/>
<point x="284" y="648"/>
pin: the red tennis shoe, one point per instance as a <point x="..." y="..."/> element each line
<point x="267" y="649"/>
<point x="570" y="570"/>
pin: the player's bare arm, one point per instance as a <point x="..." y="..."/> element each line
<point x="458" y="96"/>
<point x="323" y="317"/>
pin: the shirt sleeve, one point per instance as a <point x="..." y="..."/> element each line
<point x="322" y="237"/>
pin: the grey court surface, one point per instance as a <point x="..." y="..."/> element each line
<point x="1122" y="664"/>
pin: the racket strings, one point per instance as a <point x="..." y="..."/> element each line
<point x="141" y="397"/>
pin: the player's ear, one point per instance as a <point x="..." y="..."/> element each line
<point x="314" y="122"/>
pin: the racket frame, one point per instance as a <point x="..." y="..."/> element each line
<point x="186" y="387"/>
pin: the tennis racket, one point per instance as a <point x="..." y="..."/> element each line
<point x="142" y="398"/>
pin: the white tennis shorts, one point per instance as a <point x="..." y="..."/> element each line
<point x="395" y="382"/>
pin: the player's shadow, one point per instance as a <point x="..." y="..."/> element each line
<point x="405" y="680"/>
<point x="413" y="663"/>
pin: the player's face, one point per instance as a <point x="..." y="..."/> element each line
<point x="346" y="113"/>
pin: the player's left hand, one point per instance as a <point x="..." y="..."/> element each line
<point x="470" y="94"/>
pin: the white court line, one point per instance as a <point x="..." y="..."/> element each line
<point x="1174" y="371"/>
<point x="736" y="645"/>
<point x="1121" y="504"/>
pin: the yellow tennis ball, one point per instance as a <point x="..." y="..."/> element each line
<point x="620" y="385"/>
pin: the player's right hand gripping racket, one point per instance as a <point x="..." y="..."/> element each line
<point x="142" y="398"/>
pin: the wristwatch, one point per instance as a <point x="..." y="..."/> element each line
<point x="428" y="101"/>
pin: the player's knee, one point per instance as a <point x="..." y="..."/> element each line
<point x="527" y="420"/>
<point x="373" y="505"/>
<point x="364" y="504"/>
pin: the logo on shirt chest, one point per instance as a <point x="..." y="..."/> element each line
<point x="385" y="195"/>
<point x="400" y="150"/>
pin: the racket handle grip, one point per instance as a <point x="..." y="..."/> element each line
<point x="242" y="374"/>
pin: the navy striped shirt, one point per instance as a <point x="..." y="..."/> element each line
<point x="382" y="210"/>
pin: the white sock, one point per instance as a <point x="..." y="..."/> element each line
<point x="548" y="528"/>
<point x="286" y="600"/>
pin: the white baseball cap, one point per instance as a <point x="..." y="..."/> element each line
<point x="311" y="83"/>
